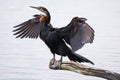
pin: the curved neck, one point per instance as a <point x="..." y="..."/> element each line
<point x="47" y="14"/>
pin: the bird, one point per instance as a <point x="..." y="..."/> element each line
<point x="64" y="41"/>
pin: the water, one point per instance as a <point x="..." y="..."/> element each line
<point x="28" y="59"/>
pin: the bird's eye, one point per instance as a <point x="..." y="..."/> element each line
<point x="41" y="9"/>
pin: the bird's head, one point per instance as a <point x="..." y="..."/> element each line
<point x="42" y="9"/>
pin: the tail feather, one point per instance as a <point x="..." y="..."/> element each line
<point x="76" y="57"/>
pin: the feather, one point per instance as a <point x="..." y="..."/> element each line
<point x="77" y="33"/>
<point x="28" y="29"/>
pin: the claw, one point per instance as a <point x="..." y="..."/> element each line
<point x="55" y="64"/>
<point x="59" y="63"/>
<point x="52" y="61"/>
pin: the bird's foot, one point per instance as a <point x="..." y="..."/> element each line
<point x="55" y="64"/>
<point x="59" y="62"/>
<point x="52" y="61"/>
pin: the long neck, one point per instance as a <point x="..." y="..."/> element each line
<point x="48" y="16"/>
<point x="45" y="29"/>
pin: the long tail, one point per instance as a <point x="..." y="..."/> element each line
<point x="76" y="57"/>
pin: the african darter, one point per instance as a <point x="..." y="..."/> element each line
<point x="76" y="34"/>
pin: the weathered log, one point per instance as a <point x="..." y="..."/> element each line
<point x="83" y="69"/>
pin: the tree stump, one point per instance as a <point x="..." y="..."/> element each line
<point x="83" y="69"/>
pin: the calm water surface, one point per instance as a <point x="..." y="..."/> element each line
<point x="28" y="59"/>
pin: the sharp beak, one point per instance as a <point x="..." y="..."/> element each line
<point x="35" y="7"/>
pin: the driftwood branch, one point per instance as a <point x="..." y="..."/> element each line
<point x="85" y="70"/>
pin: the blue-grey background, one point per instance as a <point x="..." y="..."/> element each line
<point x="27" y="59"/>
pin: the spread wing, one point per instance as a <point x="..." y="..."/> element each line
<point x="77" y="33"/>
<point x="28" y="29"/>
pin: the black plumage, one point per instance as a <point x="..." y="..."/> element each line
<point x="76" y="34"/>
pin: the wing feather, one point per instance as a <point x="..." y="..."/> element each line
<point x="28" y="29"/>
<point x="22" y="29"/>
<point x="77" y="33"/>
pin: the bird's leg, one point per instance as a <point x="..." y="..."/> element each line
<point x="60" y="62"/>
<point x="53" y="59"/>
<point x="55" y="64"/>
<point x="61" y="59"/>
